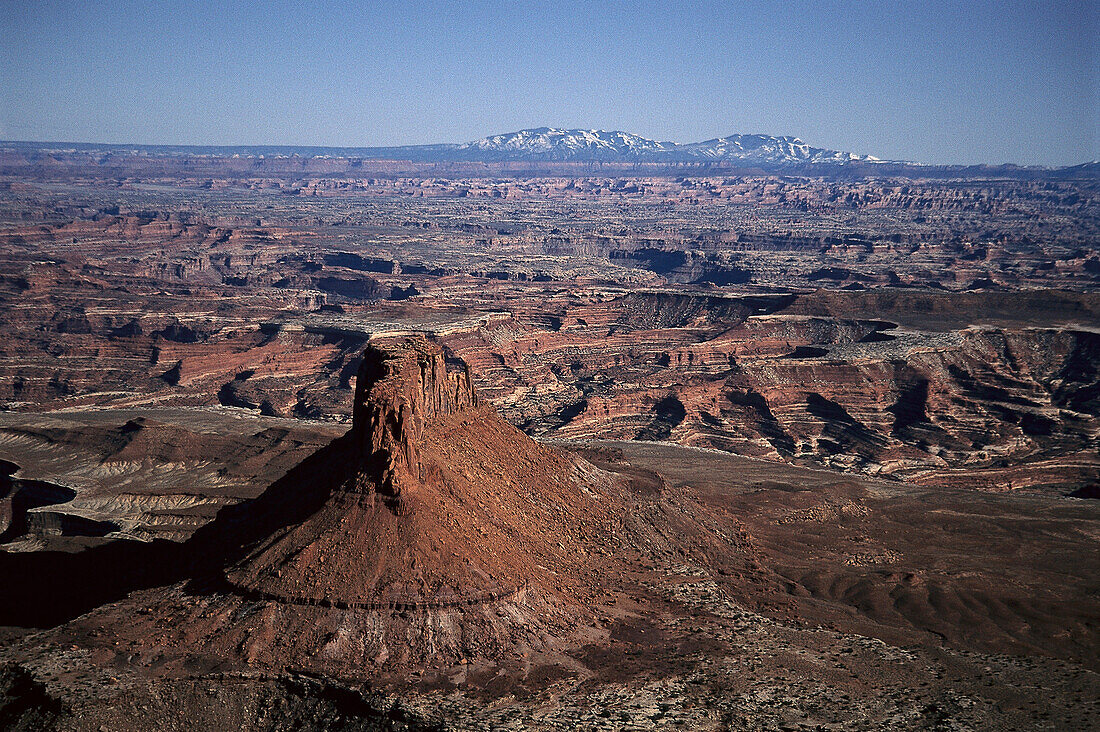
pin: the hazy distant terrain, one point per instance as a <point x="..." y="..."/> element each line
<point x="542" y="150"/>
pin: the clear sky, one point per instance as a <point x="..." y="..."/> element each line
<point x="935" y="81"/>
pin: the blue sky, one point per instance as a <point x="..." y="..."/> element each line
<point x="938" y="82"/>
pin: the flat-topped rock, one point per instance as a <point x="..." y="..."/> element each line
<point x="429" y="501"/>
<point x="401" y="387"/>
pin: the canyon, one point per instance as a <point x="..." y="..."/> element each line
<point x="360" y="444"/>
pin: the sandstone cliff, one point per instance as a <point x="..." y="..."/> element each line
<point x="397" y="392"/>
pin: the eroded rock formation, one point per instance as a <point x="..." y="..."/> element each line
<point x="509" y="568"/>
<point x="432" y="531"/>
<point x="433" y="501"/>
<point x="397" y="391"/>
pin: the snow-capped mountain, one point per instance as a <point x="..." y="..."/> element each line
<point x="553" y="144"/>
<point x="548" y="143"/>
<point x="762" y="149"/>
<point x="556" y="145"/>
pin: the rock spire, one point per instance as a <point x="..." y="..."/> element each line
<point x="400" y="387"/>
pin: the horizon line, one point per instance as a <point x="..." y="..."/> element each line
<point x="298" y="146"/>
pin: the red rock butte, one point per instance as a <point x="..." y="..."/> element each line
<point x="397" y="392"/>
<point x="444" y="503"/>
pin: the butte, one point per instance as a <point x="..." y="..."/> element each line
<point x="432" y="533"/>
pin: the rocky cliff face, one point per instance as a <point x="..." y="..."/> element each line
<point x="897" y="384"/>
<point x="398" y="389"/>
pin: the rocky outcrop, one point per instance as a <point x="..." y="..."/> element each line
<point x="25" y="705"/>
<point x="397" y="391"/>
<point x="433" y="530"/>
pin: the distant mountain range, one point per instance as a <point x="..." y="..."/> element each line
<point x="533" y="150"/>
<point x="547" y="143"/>
<point x="550" y="144"/>
<point x="541" y="144"/>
